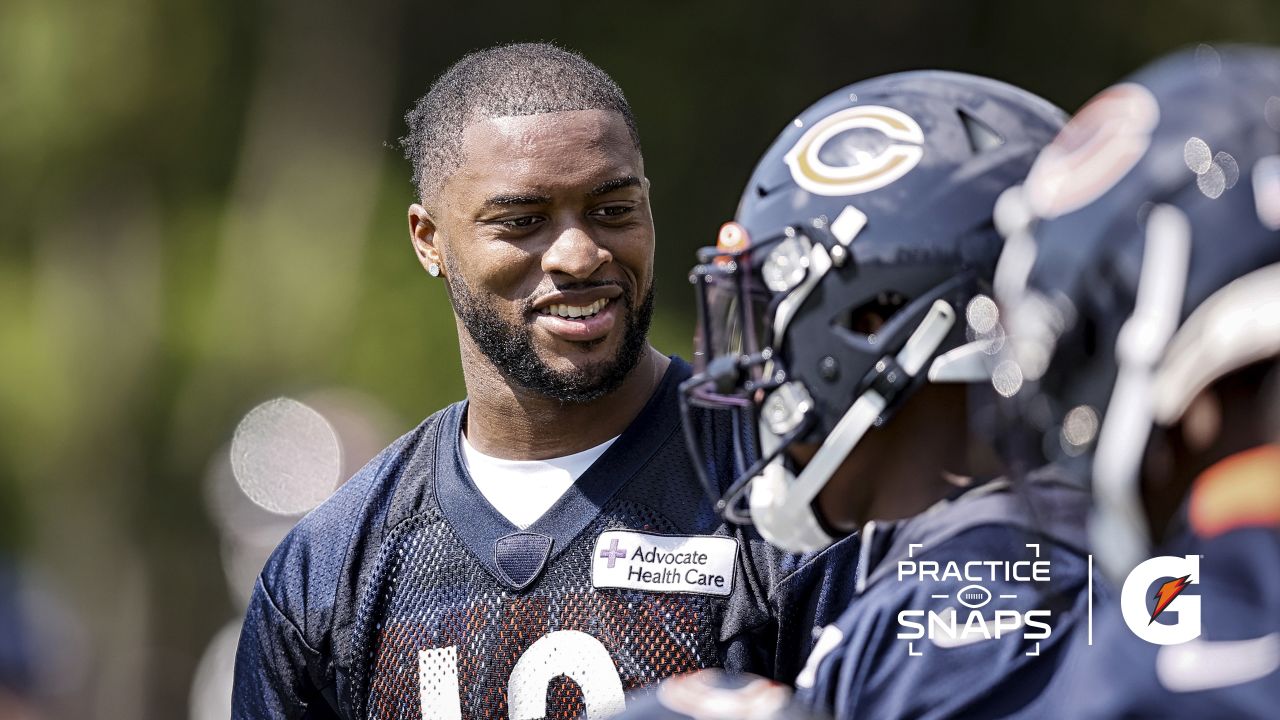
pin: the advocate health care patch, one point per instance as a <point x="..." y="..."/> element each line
<point x="702" y="564"/>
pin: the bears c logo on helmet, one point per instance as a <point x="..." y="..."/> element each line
<point x="1094" y="151"/>
<point x="829" y="160"/>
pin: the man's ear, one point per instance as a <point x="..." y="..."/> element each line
<point x="422" y="234"/>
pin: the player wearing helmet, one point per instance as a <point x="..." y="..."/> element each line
<point x="1142" y="288"/>
<point x="833" y="330"/>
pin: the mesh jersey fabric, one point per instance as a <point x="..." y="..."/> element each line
<point x="407" y="595"/>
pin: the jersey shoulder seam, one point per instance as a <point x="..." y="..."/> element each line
<point x="275" y="606"/>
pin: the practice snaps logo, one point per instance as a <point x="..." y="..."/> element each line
<point x="1172" y="617"/>
<point x="856" y="150"/>
<point x="974" y="614"/>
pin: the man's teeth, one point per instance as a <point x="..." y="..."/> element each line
<point x="576" y="311"/>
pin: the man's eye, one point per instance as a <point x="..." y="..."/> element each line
<point x="520" y="223"/>
<point x="612" y="211"/>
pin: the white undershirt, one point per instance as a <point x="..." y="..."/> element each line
<point x="522" y="490"/>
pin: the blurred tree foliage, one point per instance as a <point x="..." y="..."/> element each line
<point x="203" y="207"/>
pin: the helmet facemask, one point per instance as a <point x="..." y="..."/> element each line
<point x="753" y="302"/>
<point x="874" y="202"/>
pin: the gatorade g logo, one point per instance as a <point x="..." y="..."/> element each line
<point x="855" y="151"/>
<point x="1162" y="579"/>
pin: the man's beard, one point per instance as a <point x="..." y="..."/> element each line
<point x="510" y="347"/>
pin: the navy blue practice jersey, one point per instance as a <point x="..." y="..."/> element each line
<point x="1200" y="637"/>
<point x="407" y="595"/>
<point x="962" y="611"/>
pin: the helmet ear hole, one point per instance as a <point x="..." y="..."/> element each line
<point x="869" y="317"/>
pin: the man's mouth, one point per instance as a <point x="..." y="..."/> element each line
<point x="575" y="311"/>
<point x="578" y="323"/>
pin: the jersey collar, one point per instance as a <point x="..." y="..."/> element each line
<point x="485" y="531"/>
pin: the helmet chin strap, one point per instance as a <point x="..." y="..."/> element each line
<point x="782" y="503"/>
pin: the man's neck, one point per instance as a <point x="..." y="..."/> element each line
<point x="913" y="490"/>
<point x="929" y="454"/>
<point x="514" y="424"/>
<point x="928" y="471"/>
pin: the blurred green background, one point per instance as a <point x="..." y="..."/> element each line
<point x="203" y="208"/>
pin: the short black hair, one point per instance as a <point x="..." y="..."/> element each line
<point x="502" y="81"/>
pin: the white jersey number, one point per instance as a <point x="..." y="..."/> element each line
<point x="573" y="654"/>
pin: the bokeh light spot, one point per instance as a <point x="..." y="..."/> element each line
<point x="982" y="314"/>
<point x="1007" y="378"/>
<point x="1079" y="428"/>
<point x="1271" y="111"/>
<point x="1212" y="182"/>
<point x="1208" y="61"/>
<point x="286" y="456"/>
<point x="1197" y="155"/>
<point x="1230" y="168"/>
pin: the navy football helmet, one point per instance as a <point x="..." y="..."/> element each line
<point x="876" y="202"/>
<point x="1141" y="266"/>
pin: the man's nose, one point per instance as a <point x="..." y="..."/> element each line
<point x="575" y="252"/>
